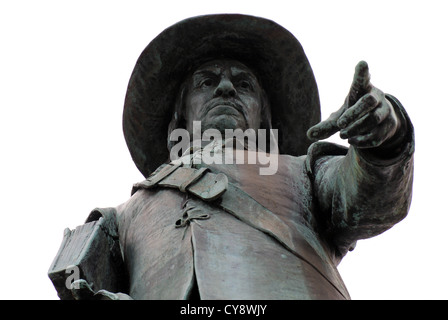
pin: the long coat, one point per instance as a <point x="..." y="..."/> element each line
<point x="174" y="243"/>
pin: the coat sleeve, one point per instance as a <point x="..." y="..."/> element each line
<point x="359" y="195"/>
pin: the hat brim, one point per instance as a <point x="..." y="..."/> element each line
<point x="270" y="50"/>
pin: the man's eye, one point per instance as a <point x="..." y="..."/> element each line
<point x="206" y="83"/>
<point x="245" y="85"/>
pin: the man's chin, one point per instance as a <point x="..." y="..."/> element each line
<point x="223" y="122"/>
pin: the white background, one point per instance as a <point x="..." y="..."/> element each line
<point x="64" y="69"/>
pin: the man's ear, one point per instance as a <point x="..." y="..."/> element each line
<point x="178" y="118"/>
<point x="266" y="119"/>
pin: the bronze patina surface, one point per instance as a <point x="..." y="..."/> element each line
<point x="223" y="230"/>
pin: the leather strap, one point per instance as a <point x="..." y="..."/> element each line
<point x="158" y="176"/>
<point x="205" y="185"/>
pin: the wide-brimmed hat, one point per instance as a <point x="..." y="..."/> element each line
<point x="267" y="48"/>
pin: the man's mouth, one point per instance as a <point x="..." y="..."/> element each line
<point x="221" y="109"/>
<point x="226" y="107"/>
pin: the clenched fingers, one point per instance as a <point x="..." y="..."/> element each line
<point x="377" y="135"/>
<point x="364" y="105"/>
<point x="368" y="121"/>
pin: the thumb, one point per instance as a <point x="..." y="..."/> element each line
<point x="326" y="128"/>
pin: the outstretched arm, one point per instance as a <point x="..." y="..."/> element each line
<point x="367" y="191"/>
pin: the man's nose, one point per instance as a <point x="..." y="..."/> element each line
<point x="225" y="89"/>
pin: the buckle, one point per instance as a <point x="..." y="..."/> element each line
<point x="210" y="187"/>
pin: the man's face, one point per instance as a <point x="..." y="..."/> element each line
<point x="223" y="94"/>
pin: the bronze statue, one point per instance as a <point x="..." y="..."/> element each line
<point x="196" y="230"/>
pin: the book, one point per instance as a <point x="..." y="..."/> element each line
<point x="90" y="252"/>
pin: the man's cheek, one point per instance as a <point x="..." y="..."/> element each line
<point x="192" y="109"/>
<point x="253" y="114"/>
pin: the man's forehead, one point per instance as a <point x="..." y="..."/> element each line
<point x="218" y="66"/>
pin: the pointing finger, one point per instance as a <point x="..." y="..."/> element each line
<point x="361" y="83"/>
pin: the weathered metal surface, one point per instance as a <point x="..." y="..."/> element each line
<point x="224" y="231"/>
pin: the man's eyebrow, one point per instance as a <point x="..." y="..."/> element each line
<point x="199" y="75"/>
<point x="207" y="71"/>
<point x="240" y="73"/>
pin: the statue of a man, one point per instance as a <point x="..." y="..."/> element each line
<point x="223" y="230"/>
